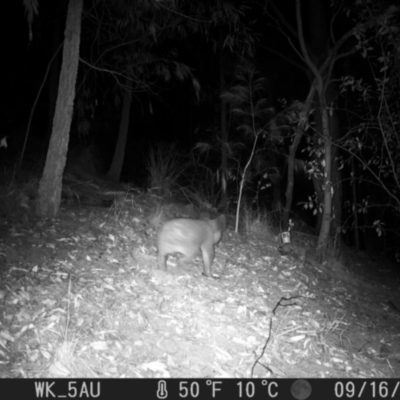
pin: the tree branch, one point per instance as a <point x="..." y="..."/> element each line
<point x="303" y="47"/>
<point x="286" y="58"/>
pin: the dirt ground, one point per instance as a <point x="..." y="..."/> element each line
<point x="81" y="296"/>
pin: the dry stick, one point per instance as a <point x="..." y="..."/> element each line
<point x="269" y="334"/>
<point x="68" y="310"/>
<point x="243" y="181"/>
<point x="285" y="305"/>
<point x="263" y="351"/>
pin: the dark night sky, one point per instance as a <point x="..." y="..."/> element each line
<point x="16" y="63"/>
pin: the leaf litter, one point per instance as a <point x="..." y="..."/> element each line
<point x="81" y="296"/>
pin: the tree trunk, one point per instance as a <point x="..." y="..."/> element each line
<point x="224" y="132"/>
<point x="318" y="189"/>
<point x="353" y="183"/>
<point x="327" y="211"/>
<point x="290" y="180"/>
<point x="304" y="115"/>
<point x="276" y="182"/>
<point x="56" y="65"/>
<point x="334" y="132"/>
<point x="336" y="173"/>
<point x="327" y="126"/>
<point x="114" y="173"/>
<point x="50" y="186"/>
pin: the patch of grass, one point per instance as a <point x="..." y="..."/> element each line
<point x="202" y="191"/>
<point x="257" y="223"/>
<point x="157" y="218"/>
<point x="165" y="168"/>
<point x="17" y="201"/>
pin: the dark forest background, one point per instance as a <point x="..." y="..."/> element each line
<point x="289" y="108"/>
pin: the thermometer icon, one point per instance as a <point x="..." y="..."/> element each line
<point x="162" y="390"/>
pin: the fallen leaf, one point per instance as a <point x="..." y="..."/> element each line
<point x="294" y="339"/>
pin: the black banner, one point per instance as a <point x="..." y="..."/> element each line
<point x="199" y="389"/>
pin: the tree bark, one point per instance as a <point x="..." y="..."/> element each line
<point x="56" y="65"/>
<point x="50" y="186"/>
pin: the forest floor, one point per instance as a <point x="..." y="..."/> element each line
<point x="81" y="296"/>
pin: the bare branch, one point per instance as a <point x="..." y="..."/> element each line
<point x="335" y="14"/>
<point x="286" y="58"/>
<point x="285" y="22"/>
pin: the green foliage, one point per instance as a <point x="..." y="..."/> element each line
<point x="211" y="15"/>
<point x="372" y="142"/>
<point x="31" y="9"/>
<point x="249" y="105"/>
<point x="252" y="115"/>
<point x="137" y="40"/>
<point x="205" y="175"/>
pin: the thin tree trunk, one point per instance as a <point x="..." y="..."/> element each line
<point x="336" y="173"/>
<point x="290" y="180"/>
<point x="276" y="182"/>
<point x="243" y="180"/>
<point x="114" y="173"/>
<point x="224" y="132"/>
<point x="335" y="134"/>
<point x="337" y="198"/>
<point x="327" y="211"/>
<point x="355" y="213"/>
<point x="50" y="186"/>
<point x="318" y="184"/>
<point x="55" y="67"/>
<point x="320" y="85"/>
<point x="304" y="115"/>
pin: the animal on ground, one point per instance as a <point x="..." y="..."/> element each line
<point x="190" y="237"/>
